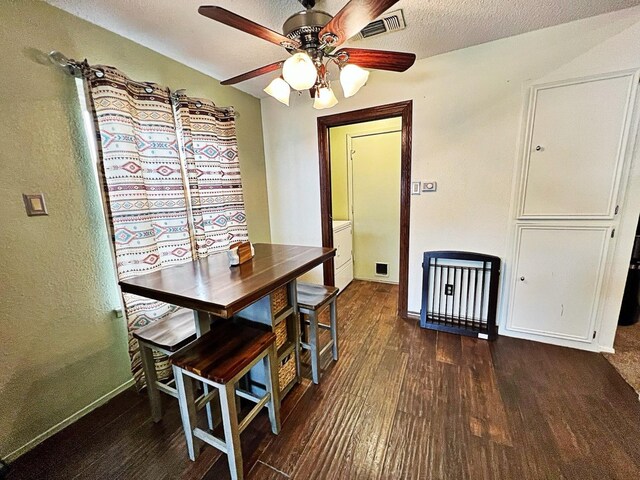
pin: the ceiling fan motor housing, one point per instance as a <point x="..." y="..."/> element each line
<point x="304" y="27"/>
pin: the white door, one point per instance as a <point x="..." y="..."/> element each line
<point x="575" y="148"/>
<point x="557" y="280"/>
<point x="375" y="186"/>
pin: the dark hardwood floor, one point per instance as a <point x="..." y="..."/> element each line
<point x="402" y="403"/>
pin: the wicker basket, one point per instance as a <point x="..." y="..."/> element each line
<point x="279" y="300"/>
<point x="281" y="333"/>
<point x="287" y="372"/>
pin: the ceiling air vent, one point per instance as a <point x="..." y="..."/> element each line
<point x="390" y="22"/>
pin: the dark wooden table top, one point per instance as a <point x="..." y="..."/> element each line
<point x="211" y="285"/>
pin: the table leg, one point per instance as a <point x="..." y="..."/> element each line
<point x="203" y="322"/>
<point x="203" y="325"/>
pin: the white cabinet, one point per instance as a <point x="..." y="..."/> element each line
<point x="568" y="204"/>
<point x="557" y="284"/>
<point x="343" y="261"/>
<point x="574" y="153"/>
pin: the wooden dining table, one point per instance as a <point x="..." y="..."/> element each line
<point x="211" y="287"/>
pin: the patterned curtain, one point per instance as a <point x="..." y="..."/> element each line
<point x="145" y="189"/>
<point x="208" y="140"/>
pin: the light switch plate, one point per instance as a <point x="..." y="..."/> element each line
<point x="415" y="188"/>
<point x="34" y="203"/>
<point x="429" y="186"/>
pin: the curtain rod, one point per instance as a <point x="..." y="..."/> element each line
<point x="77" y="69"/>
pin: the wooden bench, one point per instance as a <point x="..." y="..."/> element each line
<point x="312" y="300"/>
<point x="220" y="358"/>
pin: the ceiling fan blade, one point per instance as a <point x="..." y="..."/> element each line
<point x="353" y="17"/>
<point x="236" y="21"/>
<point x="253" y="73"/>
<point x="379" y="59"/>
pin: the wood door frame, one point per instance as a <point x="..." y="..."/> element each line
<point x="381" y="112"/>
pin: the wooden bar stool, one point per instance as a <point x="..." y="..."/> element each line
<point x="167" y="335"/>
<point x="220" y="358"/>
<point x="312" y="300"/>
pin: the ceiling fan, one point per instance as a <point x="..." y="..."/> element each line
<point x="312" y="37"/>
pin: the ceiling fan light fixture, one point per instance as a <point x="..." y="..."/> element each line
<point x="352" y="79"/>
<point x="325" y="98"/>
<point x="299" y="71"/>
<point x="279" y="89"/>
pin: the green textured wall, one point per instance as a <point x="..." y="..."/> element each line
<point x="61" y="348"/>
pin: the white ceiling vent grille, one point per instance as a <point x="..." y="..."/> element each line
<point x="390" y="22"/>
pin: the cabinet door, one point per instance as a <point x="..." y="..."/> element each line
<point x="557" y="280"/>
<point x="575" y="148"/>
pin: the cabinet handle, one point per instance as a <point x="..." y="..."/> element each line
<point x="538" y="148"/>
<point x="522" y="279"/>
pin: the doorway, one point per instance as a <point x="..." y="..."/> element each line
<point x="361" y="192"/>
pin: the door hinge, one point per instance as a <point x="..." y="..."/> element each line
<point x="613" y="233"/>
<point x="594" y="335"/>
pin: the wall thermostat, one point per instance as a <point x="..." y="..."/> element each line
<point x="429" y="186"/>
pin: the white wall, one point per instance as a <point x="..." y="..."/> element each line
<point x="467" y="117"/>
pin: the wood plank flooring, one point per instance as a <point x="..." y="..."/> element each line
<point x="401" y="403"/>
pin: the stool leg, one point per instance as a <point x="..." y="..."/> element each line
<point x="334" y="327"/>
<point x="273" y="387"/>
<point x="293" y="296"/>
<point x="203" y="325"/>
<point x="149" y="369"/>
<point x="184" y="386"/>
<point x="231" y="430"/>
<point x="303" y="328"/>
<point x="315" y="351"/>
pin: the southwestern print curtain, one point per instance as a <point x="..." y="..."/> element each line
<point x="143" y="180"/>
<point x="210" y="149"/>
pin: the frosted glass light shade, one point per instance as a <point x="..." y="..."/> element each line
<point x="352" y="79"/>
<point x="299" y="71"/>
<point x="280" y="90"/>
<point x="325" y="98"/>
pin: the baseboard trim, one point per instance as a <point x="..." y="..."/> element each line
<point x="67" y="421"/>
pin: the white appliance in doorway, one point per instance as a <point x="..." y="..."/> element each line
<point x="343" y="261"/>
<point x="568" y="203"/>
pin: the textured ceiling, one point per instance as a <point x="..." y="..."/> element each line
<point x="174" y="28"/>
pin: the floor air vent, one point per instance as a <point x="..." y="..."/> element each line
<point x="460" y="293"/>
<point x="382" y="269"/>
<point x="390" y="22"/>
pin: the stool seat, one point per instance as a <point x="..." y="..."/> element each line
<point x="313" y="297"/>
<point x="222" y="353"/>
<point x="170" y="333"/>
